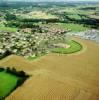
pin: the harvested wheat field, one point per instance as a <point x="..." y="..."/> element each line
<point x="59" y="76"/>
<point x="17" y="62"/>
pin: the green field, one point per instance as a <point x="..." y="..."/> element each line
<point x="7" y="83"/>
<point x="8" y="29"/>
<point x="74" y="16"/>
<point x="74" y="47"/>
<point x="73" y="27"/>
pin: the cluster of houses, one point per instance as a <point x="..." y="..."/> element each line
<point x="28" y="44"/>
<point x="16" y="43"/>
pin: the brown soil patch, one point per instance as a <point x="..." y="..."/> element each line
<point x="61" y="45"/>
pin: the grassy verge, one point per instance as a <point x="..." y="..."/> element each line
<point x="74" y="47"/>
<point x="33" y="58"/>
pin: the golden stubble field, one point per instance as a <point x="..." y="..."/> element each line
<point x="59" y="77"/>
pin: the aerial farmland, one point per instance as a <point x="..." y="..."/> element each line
<point x="49" y="50"/>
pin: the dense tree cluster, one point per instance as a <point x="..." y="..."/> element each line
<point x="21" y="74"/>
<point x="10" y="17"/>
<point x="7" y="53"/>
<point x="41" y="20"/>
<point x="21" y="24"/>
<point x="88" y="8"/>
<point x="85" y="20"/>
<point x="2" y="69"/>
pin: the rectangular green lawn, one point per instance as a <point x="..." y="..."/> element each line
<point x="7" y="83"/>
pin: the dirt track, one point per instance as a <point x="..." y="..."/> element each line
<point x="59" y="77"/>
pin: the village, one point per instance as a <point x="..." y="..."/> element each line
<point x="26" y="42"/>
